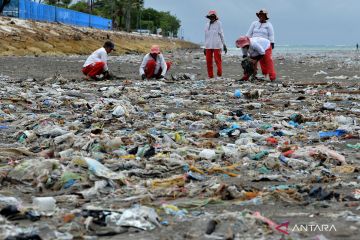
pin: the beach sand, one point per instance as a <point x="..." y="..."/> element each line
<point x="296" y="72"/>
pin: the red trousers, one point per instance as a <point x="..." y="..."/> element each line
<point x="150" y="69"/>
<point x="209" y="62"/>
<point x="267" y="65"/>
<point x="94" y="69"/>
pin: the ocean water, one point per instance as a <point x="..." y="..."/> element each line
<point x="307" y="49"/>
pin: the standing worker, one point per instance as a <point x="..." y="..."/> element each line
<point x="96" y="63"/>
<point x="214" y="43"/>
<point x="258" y="49"/>
<point x="357" y="46"/>
<point x="262" y="28"/>
<point x="154" y="65"/>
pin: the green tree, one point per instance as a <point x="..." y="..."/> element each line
<point x="80" y="7"/>
<point x="169" y="24"/>
<point x="60" y="3"/>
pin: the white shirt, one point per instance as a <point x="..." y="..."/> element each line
<point x="264" y="30"/>
<point x="214" y="35"/>
<point x="99" y="55"/>
<point x="257" y="47"/>
<point x="160" y="63"/>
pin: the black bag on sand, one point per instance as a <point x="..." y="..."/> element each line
<point x="248" y="66"/>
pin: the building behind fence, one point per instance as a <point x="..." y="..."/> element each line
<point x="27" y="9"/>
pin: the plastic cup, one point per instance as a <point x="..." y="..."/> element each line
<point x="44" y="204"/>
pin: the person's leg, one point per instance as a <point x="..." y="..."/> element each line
<point x="269" y="64"/>
<point x="150" y="69"/>
<point x="95" y="69"/>
<point x="245" y="77"/>
<point x="263" y="66"/>
<point x="86" y="70"/>
<point x="218" y="61"/>
<point x="209" y="62"/>
<point x="168" y="64"/>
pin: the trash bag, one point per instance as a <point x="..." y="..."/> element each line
<point x="248" y="66"/>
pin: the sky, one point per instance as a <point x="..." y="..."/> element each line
<point x="296" y="22"/>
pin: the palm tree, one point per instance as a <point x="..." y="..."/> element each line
<point x="3" y="4"/>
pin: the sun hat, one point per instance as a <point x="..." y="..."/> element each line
<point x="242" y="42"/>
<point x="212" y="12"/>
<point x="155" y="49"/>
<point x="264" y="11"/>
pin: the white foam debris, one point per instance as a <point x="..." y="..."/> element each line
<point x="341" y="77"/>
<point x="321" y="72"/>
<point x="7" y="29"/>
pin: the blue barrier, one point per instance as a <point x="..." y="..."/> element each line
<point x="27" y="9"/>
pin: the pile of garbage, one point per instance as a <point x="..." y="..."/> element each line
<point x="87" y="159"/>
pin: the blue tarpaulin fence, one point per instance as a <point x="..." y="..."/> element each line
<point x="27" y="9"/>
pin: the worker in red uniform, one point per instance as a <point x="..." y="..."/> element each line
<point x="214" y="43"/>
<point x="154" y="65"/>
<point x="259" y="50"/>
<point x="96" y="63"/>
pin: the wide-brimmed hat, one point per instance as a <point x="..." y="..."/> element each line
<point x="264" y="11"/>
<point x="155" y="49"/>
<point x="242" y="42"/>
<point x="212" y="12"/>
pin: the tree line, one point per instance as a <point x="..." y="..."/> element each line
<point x="127" y="15"/>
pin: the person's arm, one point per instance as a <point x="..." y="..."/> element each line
<point x="244" y="52"/>
<point x="222" y="37"/>
<point x="104" y="58"/>
<point x="143" y="65"/>
<point x="271" y="35"/>
<point x="251" y="30"/>
<point x="206" y="36"/>
<point x="163" y="65"/>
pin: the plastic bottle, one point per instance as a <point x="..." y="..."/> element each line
<point x="336" y="133"/>
<point x="118" y="111"/>
<point x="195" y="126"/>
<point x="237" y="93"/>
<point x="259" y="155"/>
<point x="254" y="201"/>
<point x="207" y="154"/>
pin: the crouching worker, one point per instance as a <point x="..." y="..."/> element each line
<point x="259" y="50"/>
<point x="154" y="65"/>
<point x="96" y="63"/>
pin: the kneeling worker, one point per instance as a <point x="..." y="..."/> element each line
<point x="154" y="65"/>
<point x="96" y="63"/>
<point x="258" y="49"/>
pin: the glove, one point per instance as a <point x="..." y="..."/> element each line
<point x="225" y="49"/>
<point x="161" y="77"/>
<point x="107" y="75"/>
<point x="244" y="56"/>
<point x="204" y="51"/>
<point x="143" y="76"/>
<point x="272" y="45"/>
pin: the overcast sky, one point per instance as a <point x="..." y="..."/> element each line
<point x="329" y="22"/>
